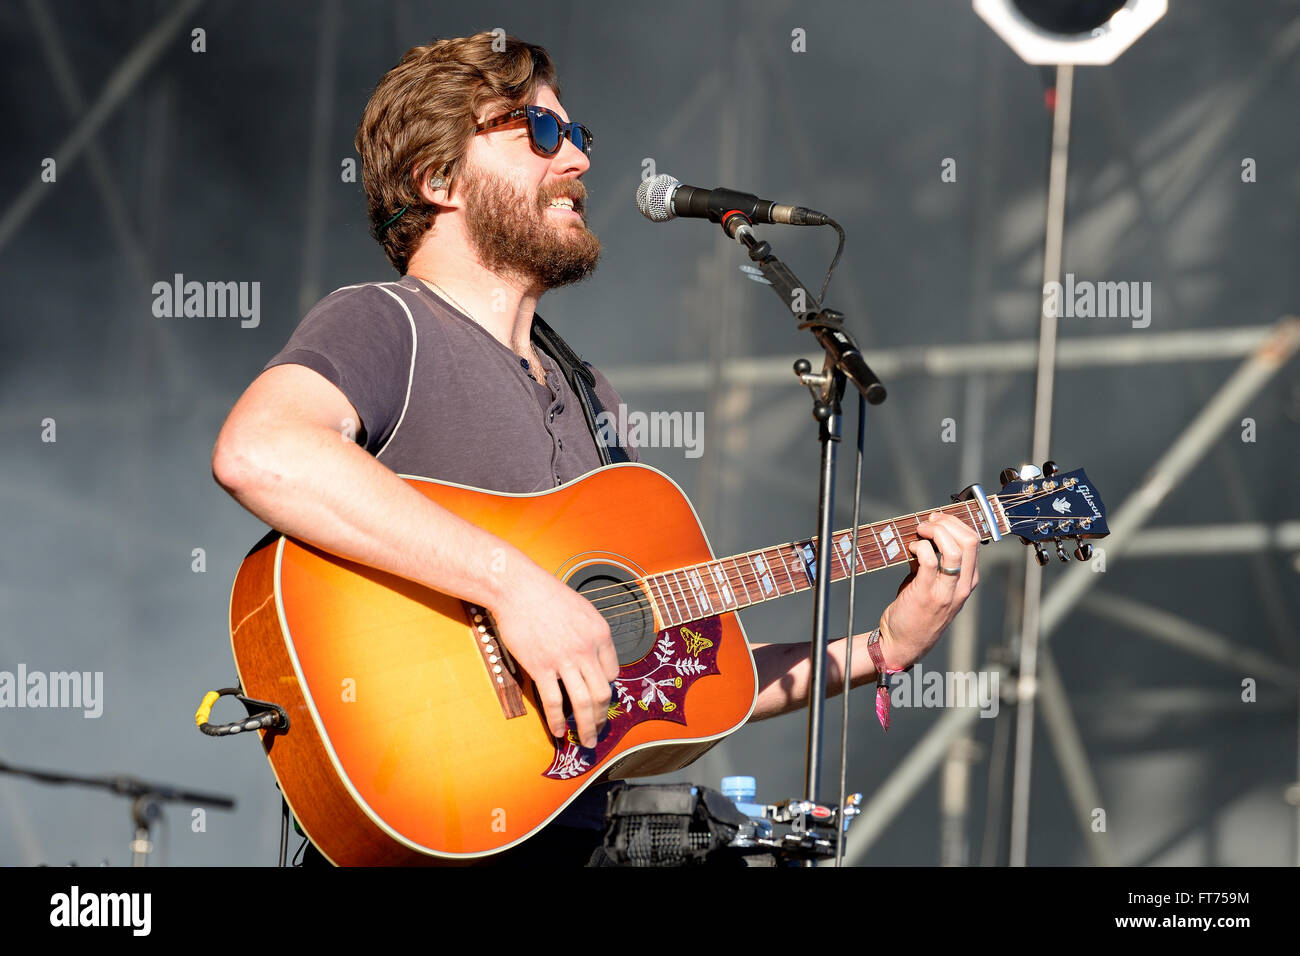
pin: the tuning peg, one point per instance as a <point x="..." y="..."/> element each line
<point x="1040" y="554"/>
<point x="1009" y="475"/>
<point x="1049" y="469"/>
<point x="1060" y="552"/>
<point x="1029" y="472"/>
<point x="1084" y="550"/>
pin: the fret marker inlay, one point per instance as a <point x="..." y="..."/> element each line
<point x="805" y="553"/>
<point x="891" y="546"/>
<point x="701" y="596"/>
<point x="724" y="589"/>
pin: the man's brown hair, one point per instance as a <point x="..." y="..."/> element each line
<point x="421" y="117"/>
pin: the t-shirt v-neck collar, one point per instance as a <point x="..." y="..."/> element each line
<point x="417" y="285"/>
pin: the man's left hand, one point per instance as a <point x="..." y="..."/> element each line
<point x="929" y="599"/>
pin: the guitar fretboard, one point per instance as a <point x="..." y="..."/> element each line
<point x="729" y="584"/>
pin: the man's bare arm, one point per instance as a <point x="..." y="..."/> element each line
<point x="284" y="455"/>
<point x="927" y="602"/>
<point x="785" y="674"/>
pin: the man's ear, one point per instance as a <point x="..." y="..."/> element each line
<point x="436" y="188"/>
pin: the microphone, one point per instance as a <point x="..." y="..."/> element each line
<point x="663" y="197"/>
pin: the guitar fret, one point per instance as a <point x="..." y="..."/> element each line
<point x="715" y="589"/>
<point x="723" y="584"/>
<point x="691" y="598"/>
<point x="743" y="583"/>
<point x="879" y="547"/>
<point x="663" y="605"/>
<point x="718" y="590"/>
<point x="858" y="563"/>
<point x="785" y="560"/>
<point x="768" y="571"/>
<point x="666" y="587"/>
<point x="690" y="615"/>
<point x="654" y="599"/>
<point x="844" y="539"/>
<point x="723" y="581"/>
<point x="763" y="577"/>
<point x="789" y="577"/>
<point x="701" y="595"/>
<point x="716" y="598"/>
<point x="863" y="554"/>
<point x="892" y="542"/>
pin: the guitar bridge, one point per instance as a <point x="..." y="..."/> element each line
<point x="501" y="669"/>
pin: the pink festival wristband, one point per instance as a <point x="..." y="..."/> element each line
<point x="882" y="677"/>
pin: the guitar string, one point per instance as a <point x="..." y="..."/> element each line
<point x="904" y="526"/>
<point x="897" y="523"/>
<point x="642" y="606"/>
<point x="759" y="551"/>
<point x="641" y="603"/>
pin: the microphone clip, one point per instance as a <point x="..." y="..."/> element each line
<point x="732" y="221"/>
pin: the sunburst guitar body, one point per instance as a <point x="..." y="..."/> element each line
<point x="414" y="739"/>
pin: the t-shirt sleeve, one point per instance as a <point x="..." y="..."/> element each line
<point x="361" y="341"/>
<point x="610" y="399"/>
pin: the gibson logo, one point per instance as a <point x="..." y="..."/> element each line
<point x="1083" y="490"/>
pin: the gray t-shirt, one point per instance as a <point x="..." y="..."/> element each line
<point x="440" y="398"/>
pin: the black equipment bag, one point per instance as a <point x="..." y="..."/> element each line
<point x="672" y="824"/>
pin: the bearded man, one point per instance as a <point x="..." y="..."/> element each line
<point x="473" y="175"/>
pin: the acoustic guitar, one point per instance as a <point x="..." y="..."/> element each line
<point x="413" y="738"/>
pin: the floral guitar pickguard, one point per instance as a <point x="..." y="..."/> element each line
<point x="654" y="688"/>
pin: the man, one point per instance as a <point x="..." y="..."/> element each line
<point x="473" y="174"/>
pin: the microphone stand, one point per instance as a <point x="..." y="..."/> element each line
<point x="844" y="362"/>
<point x="147" y="800"/>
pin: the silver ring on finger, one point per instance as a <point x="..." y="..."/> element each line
<point x="953" y="571"/>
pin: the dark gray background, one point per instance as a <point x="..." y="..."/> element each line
<point x="224" y="165"/>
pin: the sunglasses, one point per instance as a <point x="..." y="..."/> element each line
<point x="546" y="133"/>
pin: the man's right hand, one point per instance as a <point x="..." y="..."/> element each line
<point x="558" y="637"/>
<point x="281" y="456"/>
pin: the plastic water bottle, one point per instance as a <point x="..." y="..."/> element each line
<point x="742" y="791"/>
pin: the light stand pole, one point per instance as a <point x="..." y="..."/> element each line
<point x="1029" y="626"/>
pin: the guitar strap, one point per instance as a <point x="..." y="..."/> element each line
<point x="580" y="378"/>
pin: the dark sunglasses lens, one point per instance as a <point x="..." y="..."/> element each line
<point x="546" y="132"/>
<point x="581" y="139"/>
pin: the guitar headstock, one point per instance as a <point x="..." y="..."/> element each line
<point x="1048" y="505"/>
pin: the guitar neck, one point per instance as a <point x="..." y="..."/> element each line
<point x="729" y="584"/>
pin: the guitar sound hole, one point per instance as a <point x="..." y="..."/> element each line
<point x="623" y="604"/>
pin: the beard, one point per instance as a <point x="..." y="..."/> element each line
<point x="513" y="235"/>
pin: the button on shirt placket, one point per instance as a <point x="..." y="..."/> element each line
<point x="556" y="406"/>
<point x="559" y="442"/>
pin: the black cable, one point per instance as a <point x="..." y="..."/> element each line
<point x="284" y="831"/>
<point x="839" y="251"/>
<point x="848" y="643"/>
